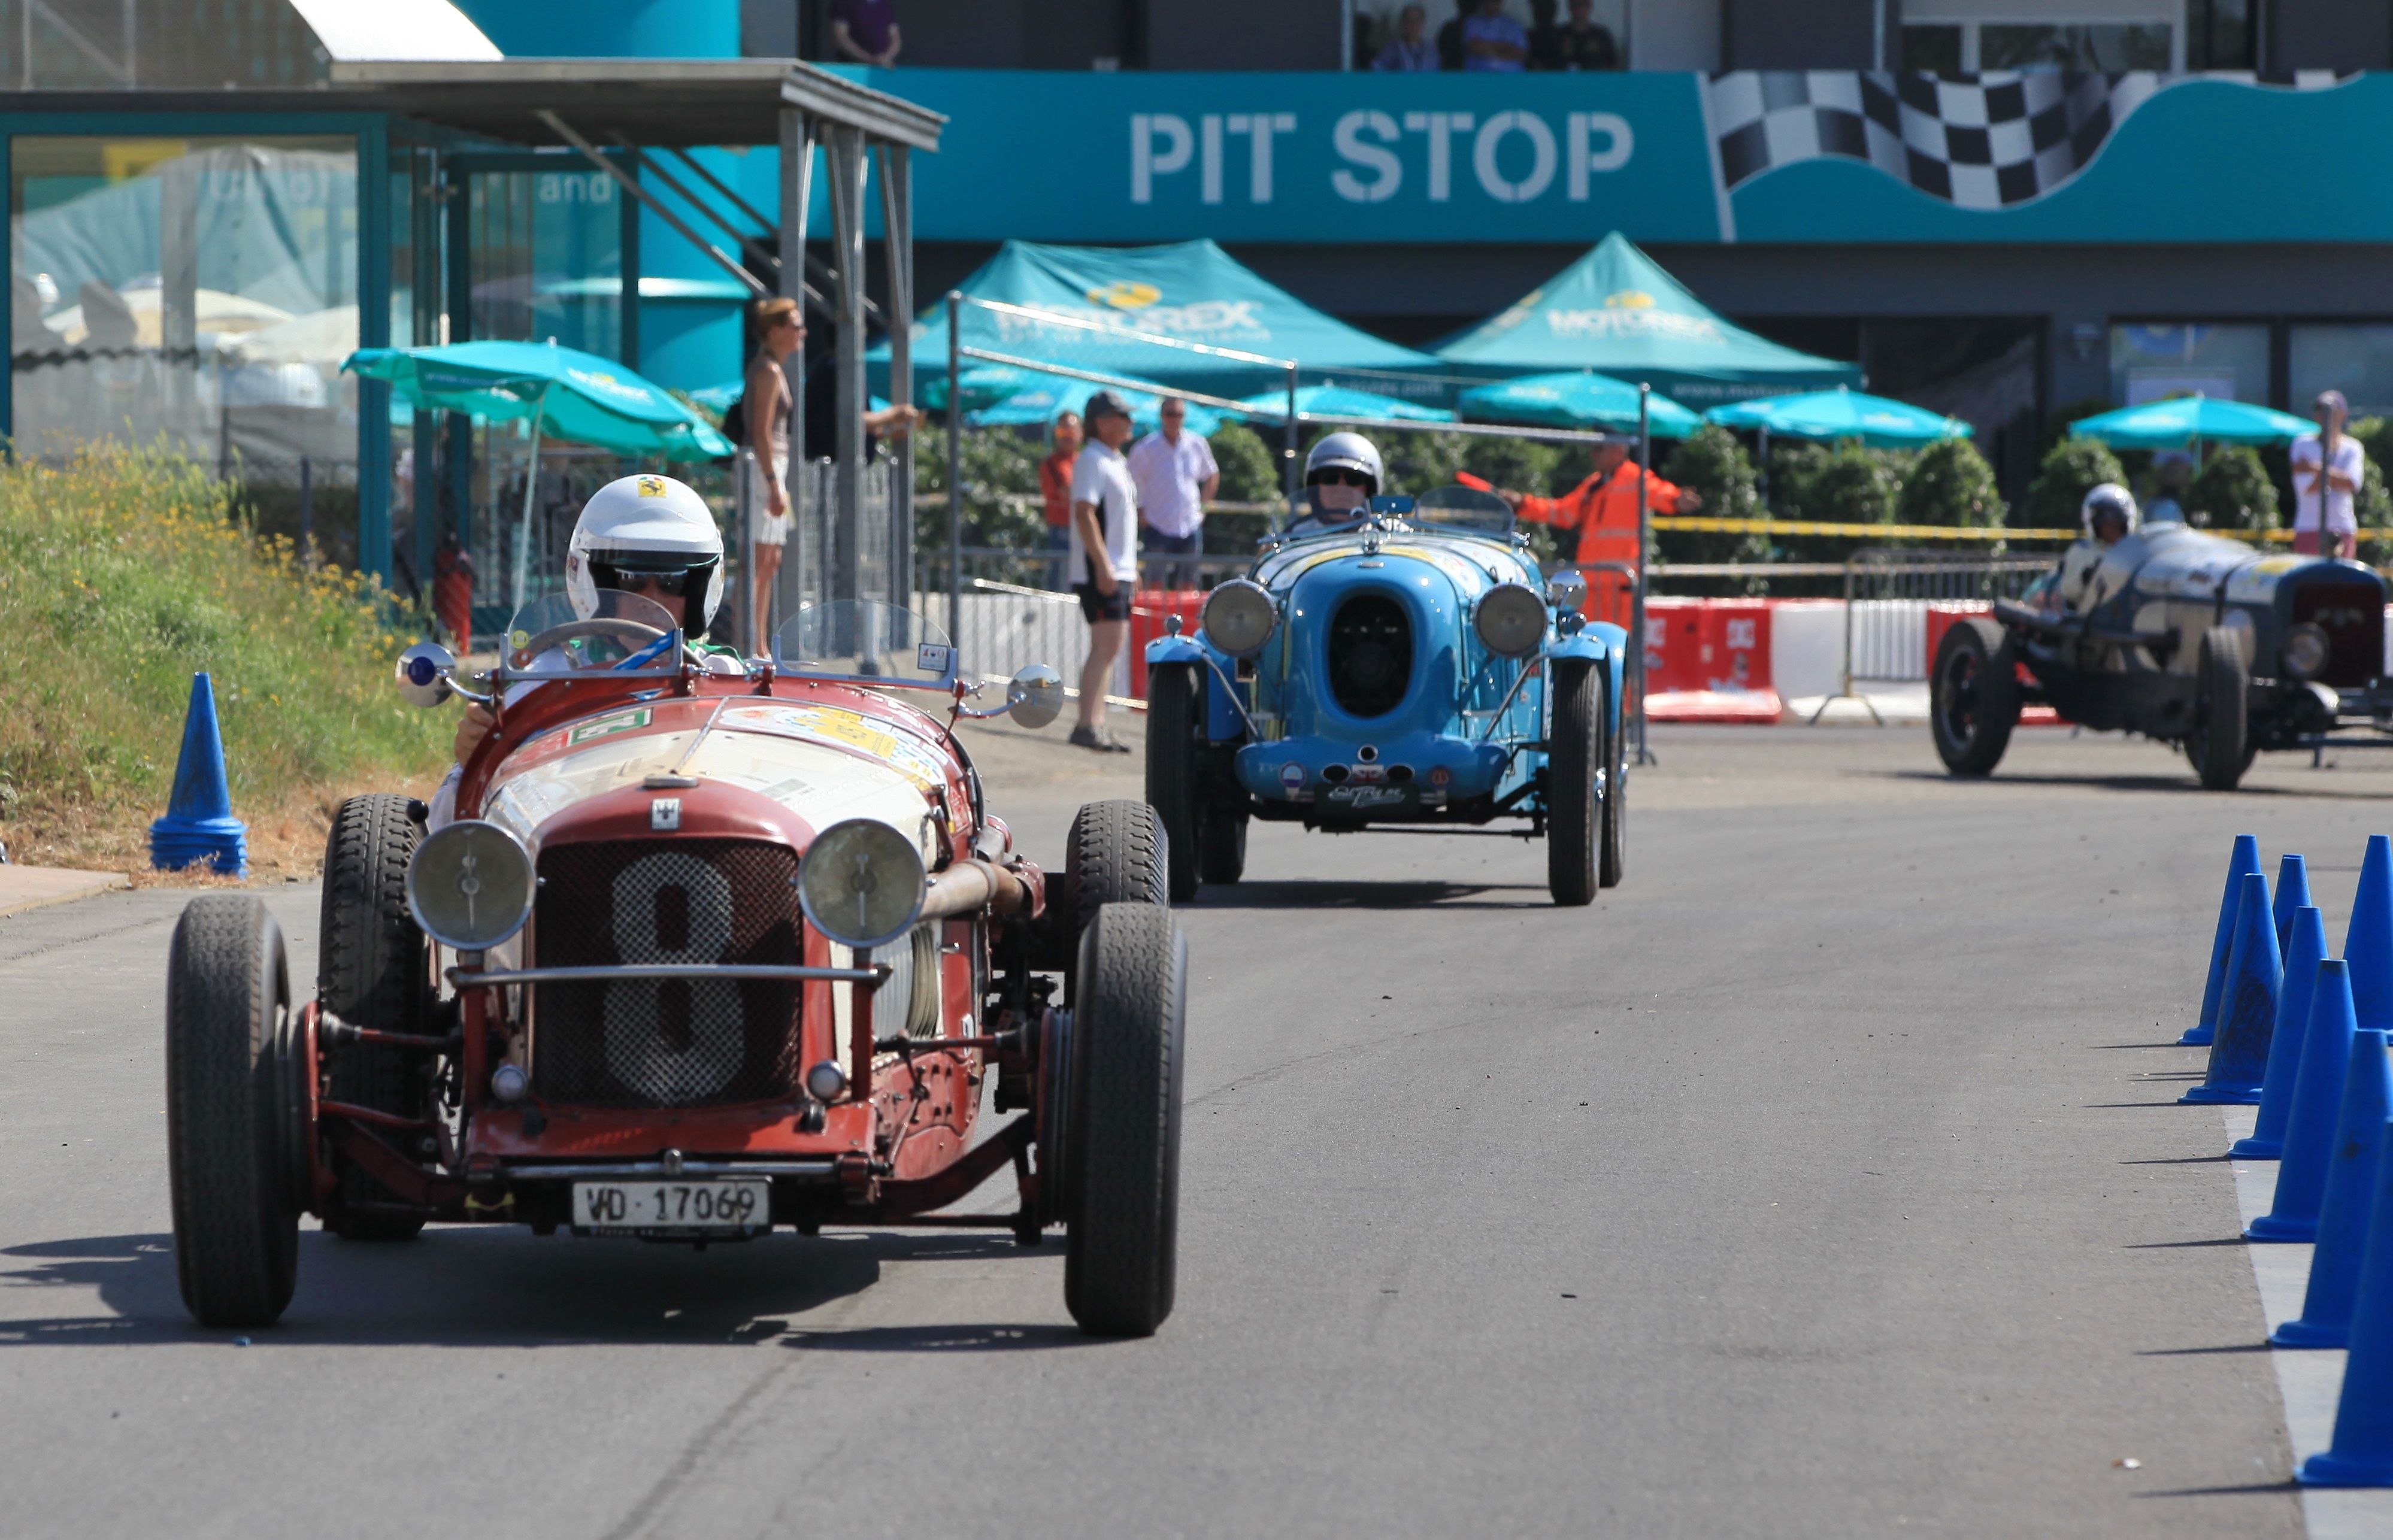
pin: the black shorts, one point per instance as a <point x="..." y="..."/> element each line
<point x="1103" y="606"/>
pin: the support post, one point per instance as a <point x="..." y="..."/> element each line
<point x="897" y="256"/>
<point x="1644" y="538"/>
<point x="1295" y="474"/>
<point x="955" y="465"/>
<point x="846" y="157"/>
<point x="804" y="574"/>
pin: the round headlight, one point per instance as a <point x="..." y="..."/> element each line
<point x="2306" y="651"/>
<point x="861" y="884"/>
<point x="470" y="885"/>
<point x="1510" y="619"/>
<point x="1239" y="615"/>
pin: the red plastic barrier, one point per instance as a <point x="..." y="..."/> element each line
<point x="1149" y="608"/>
<point x="1940" y="616"/>
<point x="1708" y="660"/>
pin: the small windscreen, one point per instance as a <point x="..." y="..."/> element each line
<point x="623" y="632"/>
<point x="859" y="639"/>
<point x="1463" y="507"/>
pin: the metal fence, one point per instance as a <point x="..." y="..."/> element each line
<point x="1886" y="595"/>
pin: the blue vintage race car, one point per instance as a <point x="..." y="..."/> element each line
<point x="1410" y="668"/>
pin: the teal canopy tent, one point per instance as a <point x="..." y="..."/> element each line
<point x="1040" y="396"/>
<point x="1330" y="400"/>
<point x="1191" y="291"/>
<point x="1578" y="399"/>
<point x="1616" y="311"/>
<point x="568" y="394"/>
<point x="1876" y="421"/>
<point x="2186" y="421"/>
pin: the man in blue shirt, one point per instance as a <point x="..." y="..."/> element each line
<point x="1491" y="40"/>
<point x="1409" y="51"/>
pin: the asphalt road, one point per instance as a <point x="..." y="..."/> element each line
<point x="1822" y="1180"/>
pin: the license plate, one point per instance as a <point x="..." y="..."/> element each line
<point x="672" y="1206"/>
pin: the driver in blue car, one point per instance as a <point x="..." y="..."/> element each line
<point x="648" y="535"/>
<point x="1342" y="476"/>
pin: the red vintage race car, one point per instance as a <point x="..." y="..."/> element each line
<point x="709" y="946"/>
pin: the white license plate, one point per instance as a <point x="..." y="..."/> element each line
<point x="670" y="1205"/>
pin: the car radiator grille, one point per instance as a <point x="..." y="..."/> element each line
<point x="675" y="1042"/>
<point x="2352" y="615"/>
<point x="1370" y="655"/>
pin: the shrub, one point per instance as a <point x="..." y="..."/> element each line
<point x="2233" y="492"/>
<point x="1250" y="466"/>
<point x="1854" y="485"/>
<point x="1713" y="465"/>
<point x="2071" y="468"/>
<point x="1950" y="484"/>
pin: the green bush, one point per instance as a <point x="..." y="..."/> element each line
<point x="122" y="575"/>
<point x="1854" y="485"/>
<point x="1950" y="484"/>
<point x="1713" y="465"/>
<point x="1002" y="505"/>
<point x="2233" y="492"/>
<point x="2070" y="469"/>
<point x="1250" y="468"/>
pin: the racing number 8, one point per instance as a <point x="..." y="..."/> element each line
<point x="640" y="1053"/>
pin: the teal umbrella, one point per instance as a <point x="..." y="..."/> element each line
<point x="1876" y="421"/>
<point x="986" y="384"/>
<point x="1335" y="400"/>
<point x="2184" y="421"/>
<point x="570" y="394"/>
<point x="1577" y="398"/>
<point x="1043" y="395"/>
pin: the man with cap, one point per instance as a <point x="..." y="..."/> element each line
<point x="2336" y="533"/>
<point x="1103" y="558"/>
<point x="1596" y="521"/>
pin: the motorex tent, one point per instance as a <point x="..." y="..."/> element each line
<point x="1190" y="292"/>
<point x="1616" y="311"/>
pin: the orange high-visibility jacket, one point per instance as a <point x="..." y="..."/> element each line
<point x="1602" y="510"/>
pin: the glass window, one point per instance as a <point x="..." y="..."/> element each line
<point x="199" y="291"/>
<point x="2218" y="34"/>
<point x="1934" y="49"/>
<point x="2109" y="45"/>
<point x="2153" y="361"/>
<point x="548" y="257"/>
<point x="2357" y="360"/>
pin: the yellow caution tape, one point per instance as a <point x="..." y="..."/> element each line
<point x="1698" y="524"/>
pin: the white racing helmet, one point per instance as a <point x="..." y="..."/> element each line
<point x="646" y="524"/>
<point x="2108" y="498"/>
<point x="1348" y="452"/>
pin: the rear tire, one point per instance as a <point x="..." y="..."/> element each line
<point x="1175" y="722"/>
<point x="1974" y="697"/>
<point x="235" y="1095"/>
<point x="2220" y="744"/>
<point x="1221" y="846"/>
<point x="1575" y="751"/>
<point x="375" y="972"/>
<point x="1612" y="860"/>
<point x="1122" y="1181"/>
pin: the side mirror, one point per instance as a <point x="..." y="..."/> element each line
<point x="424" y="672"/>
<point x="1567" y="590"/>
<point x="1035" y="697"/>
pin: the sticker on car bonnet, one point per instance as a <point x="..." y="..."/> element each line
<point x="602" y="727"/>
<point x="1291" y="778"/>
<point x="664" y="814"/>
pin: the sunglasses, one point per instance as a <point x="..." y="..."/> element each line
<point x="1337" y="476"/>
<point x="657" y="582"/>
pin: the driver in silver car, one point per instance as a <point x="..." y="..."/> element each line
<point x="2108" y="515"/>
<point x="648" y="535"/>
<point x="1342" y="476"/>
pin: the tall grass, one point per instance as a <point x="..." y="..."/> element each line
<point x="124" y="573"/>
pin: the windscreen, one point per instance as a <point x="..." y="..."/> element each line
<point x="1462" y="507"/>
<point x="862" y="640"/>
<point x="624" y="633"/>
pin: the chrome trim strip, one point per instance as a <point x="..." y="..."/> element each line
<point x="600" y="973"/>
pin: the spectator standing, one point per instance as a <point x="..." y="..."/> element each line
<point x="1493" y="41"/>
<point x="1596" y="521"/>
<point x="1449" y="43"/>
<point x="1581" y="44"/>
<point x="2347" y="466"/>
<point x="1055" y="489"/>
<point x="1410" y="51"/>
<point x="865" y="31"/>
<point x="766" y="408"/>
<point x="1104" y="557"/>
<point x="1176" y="476"/>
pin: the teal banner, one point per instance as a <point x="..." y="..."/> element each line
<point x="1819" y="156"/>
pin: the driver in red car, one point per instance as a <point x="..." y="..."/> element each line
<point x="648" y="535"/>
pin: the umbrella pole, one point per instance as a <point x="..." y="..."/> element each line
<point x="1294" y="472"/>
<point x="1644" y="538"/>
<point x="532" y="481"/>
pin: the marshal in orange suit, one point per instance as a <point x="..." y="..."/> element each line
<point x="1596" y="521"/>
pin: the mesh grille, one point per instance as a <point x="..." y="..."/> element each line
<point x="2352" y="615"/>
<point x="675" y="1042"/>
<point x="1370" y="655"/>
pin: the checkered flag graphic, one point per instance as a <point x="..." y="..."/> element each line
<point x="1987" y="141"/>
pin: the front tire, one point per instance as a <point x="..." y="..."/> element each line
<point x="1116" y="853"/>
<point x="235" y="1095"/>
<point x="1575" y="751"/>
<point x="1122" y="1180"/>
<point x="375" y="972"/>
<point x="2220" y="744"/>
<point x="1175" y="722"/>
<point x="1974" y="697"/>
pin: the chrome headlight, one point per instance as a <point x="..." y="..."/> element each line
<point x="470" y="885"/>
<point x="2306" y="651"/>
<point x="861" y="884"/>
<point x="1510" y="619"/>
<point x="1239" y="615"/>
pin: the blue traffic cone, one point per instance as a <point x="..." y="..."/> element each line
<point x="2308" y="949"/>
<point x="2362" y="1454"/>
<point x="2292" y="891"/>
<point x="2318" y="1103"/>
<point x="2350" y="1194"/>
<point x="2368" y="946"/>
<point x="2247" y="1005"/>
<point x="2241" y="861"/>
<point x="198" y="824"/>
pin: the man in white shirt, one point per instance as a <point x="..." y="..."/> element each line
<point x="2346" y="464"/>
<point x="1103" y="558"/>
<point x="1176" y="477"/>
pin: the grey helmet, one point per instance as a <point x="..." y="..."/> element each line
<point x="2108" y="498"/>
<point x="1348" y="452"/>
